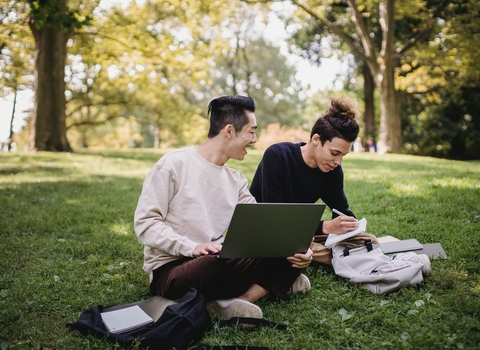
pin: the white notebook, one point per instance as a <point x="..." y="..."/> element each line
<point x="124" y="320"/>
<point x="334" y="239"/>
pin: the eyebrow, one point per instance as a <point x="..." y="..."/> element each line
<point x="337" y="150"/>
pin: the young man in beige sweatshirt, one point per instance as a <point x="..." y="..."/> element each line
<point x="186" y="204"/>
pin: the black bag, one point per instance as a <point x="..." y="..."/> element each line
<point x="180" y="326"/>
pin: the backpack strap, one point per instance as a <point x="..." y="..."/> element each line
<point x="252" y="321"/>
<point x="368" y="244"/>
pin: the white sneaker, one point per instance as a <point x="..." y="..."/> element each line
<point x="228" y="308"/>
<point x="301" y="285"/>
<point x="417" y="258"/>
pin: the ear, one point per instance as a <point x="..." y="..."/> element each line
<point x="229" y="131"/>
<point x="316" y="139"/>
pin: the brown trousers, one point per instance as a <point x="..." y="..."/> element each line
<point x="323" y="255"/>
<point x="223" y="278"/>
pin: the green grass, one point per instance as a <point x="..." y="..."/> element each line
<point x="67" y="244"/>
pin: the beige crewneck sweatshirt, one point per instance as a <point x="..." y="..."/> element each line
<point x="185" y="201"/>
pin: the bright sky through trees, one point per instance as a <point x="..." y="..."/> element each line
<point x="314" y="78"/>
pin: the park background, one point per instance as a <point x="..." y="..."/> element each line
<point x="140" y="73"/>
<point x="116" y="85"/>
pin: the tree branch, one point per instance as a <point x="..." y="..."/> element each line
<point x="262" y="1"/>
<point x="335" y="30"/>
<point x="127" y="45"/>
<point x="92" y="122"/>
<point x="99" y="104"/>
<point x="362" y="31"/>
<point x="426" y="28"/>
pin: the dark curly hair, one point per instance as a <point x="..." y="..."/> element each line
<point x="338" y="121"/>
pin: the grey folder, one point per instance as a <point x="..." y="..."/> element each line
<point x="405" y="245"/>
<point x="271" y="230"/>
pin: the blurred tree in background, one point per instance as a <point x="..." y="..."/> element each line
<point x="140" y="74"/>
<point x="137" y="64"/>
<point x="16" y="57"/>
<point x="251" y="65"/>
<point x="314" y="42"/>
<point x="53" y="23"/>
<point x="440" y="109"/>
<point x="146" y="72"/>
<point x="413" y="50"/>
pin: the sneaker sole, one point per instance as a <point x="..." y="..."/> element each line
<point x="301" y="287"/>
<point x="237" y="308"/>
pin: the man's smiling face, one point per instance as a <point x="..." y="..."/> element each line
<point x="244" y="138"/>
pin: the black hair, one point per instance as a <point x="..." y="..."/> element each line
<point x="338" y="121"/>
<point x="229" y="110"/>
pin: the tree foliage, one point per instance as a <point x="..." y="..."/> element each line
<point x="51" y="22"/>
<point x="158" y="63"/>
<point x="314" y="42"/>
<point x="392" y="37"/>
<point x="449" y="129"/>
<point x="142" y="74"/>
<point x="441" y="84"/>
<point x="16" y="50"/>
<point x="251" y="65"/>
<point x="16" y="57"/>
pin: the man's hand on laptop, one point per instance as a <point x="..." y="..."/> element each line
<point x="340" y="225"/>
<point x="207" y="248"/>
<point x="301" y="261"/>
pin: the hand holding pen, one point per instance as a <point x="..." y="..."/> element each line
<point x="338" y="212"/>
<point x="341" y="224"/>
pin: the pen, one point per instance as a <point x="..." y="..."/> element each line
<point x="338" y="212"/>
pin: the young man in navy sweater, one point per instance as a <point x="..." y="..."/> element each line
<point x="306" y="172"/>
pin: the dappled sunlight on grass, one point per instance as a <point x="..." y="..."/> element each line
<point x="402" y="189"/>
<point x="476" y="287"/>
<point x="122" y="229"/>
<point x="39" y="167"/>
<point x="455" y="182"/>
<point x="68" y="244"/>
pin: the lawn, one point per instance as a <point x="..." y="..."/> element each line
<point x="67" y="244"/>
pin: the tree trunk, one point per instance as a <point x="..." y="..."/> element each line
<point x="49" y="131"/>
<point x="369" y="99"/>
<point x="381" y="64"/>
<point x="390" y="137"/>
<point x="10" y="132"/>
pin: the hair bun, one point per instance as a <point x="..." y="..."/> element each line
<point x="342" y="108"/>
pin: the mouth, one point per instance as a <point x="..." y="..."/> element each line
<point x="330" y="167"/>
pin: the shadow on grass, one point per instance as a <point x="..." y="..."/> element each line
<point x="68" y="244"/>
<point x="149" y="155"/>
<point x="69" y="207"/>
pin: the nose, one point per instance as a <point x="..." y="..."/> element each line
<point x="338" y="160"/>
<point x="254" y="138"/>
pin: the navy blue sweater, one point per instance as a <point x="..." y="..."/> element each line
<point x="283" y="177"/>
